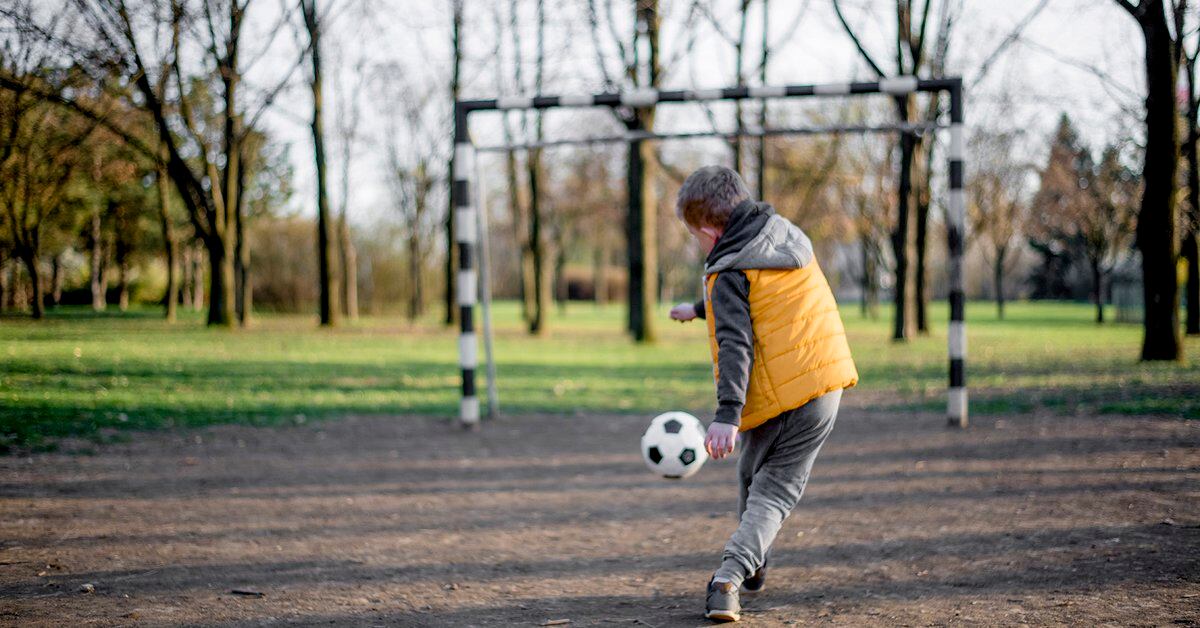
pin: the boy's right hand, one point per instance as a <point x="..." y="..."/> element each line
<point x="683" y="312"/>
<point x="720" y="439"/>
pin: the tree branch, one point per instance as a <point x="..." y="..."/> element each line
<point x="1013" y="36"/>
<point x="837" y="8"/>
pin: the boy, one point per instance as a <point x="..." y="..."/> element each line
<point x="780" y="361"/>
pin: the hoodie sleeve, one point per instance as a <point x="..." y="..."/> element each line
<point x="699" y="307"/>
<point x="735" y="343"/>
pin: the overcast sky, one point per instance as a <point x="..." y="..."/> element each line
<point x="384" y="51"/>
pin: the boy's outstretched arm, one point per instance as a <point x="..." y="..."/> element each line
<point x="735" y="355"/>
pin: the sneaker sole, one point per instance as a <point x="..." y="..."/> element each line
<point x="722" y="615"/>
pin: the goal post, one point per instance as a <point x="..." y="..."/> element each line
<point x="466" y="218"/>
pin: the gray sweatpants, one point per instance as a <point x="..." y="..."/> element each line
<point x="776" y="459"/>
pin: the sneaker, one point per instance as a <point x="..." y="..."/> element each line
<point x="722" y="602"/>
<point x="757" y="582"/>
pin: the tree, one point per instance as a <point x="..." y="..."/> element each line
<point x="412" y="149"/>
<point x="867" y="195"/>
<point x="1162" y="32"/>
<point x="326" y="273"/>
<point x="538" y="320"/>
<point x="350" y="115"/>
<point x="912" y="29"/>
<point x="638" y="52"/>
<point x="170" y="242"/>
<point x="133" y="50"/>
<point x="41" y="151"/>
<point x="1087" y="205"/>
<point x="451" y="240"/>
<point x="997" y="202"/>
<point x="516" y="207"/>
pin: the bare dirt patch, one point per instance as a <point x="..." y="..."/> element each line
<point x="406" y="521"/>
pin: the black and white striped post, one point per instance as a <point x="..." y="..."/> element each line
<point x="956" y="220"/>
<point x="465" y="221"/>
<point x="467" y="234"/>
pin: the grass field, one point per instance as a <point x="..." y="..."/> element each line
<point x="81" y="374"/>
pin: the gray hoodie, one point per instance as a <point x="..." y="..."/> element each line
<point x="755" y="237"/>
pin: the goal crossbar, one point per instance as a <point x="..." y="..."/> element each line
<point x="633" y="136"/>
<point x="466" y="217"/>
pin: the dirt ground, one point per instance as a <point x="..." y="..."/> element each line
<point x="405" y="521"/>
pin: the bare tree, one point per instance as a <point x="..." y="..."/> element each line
<point x="412" y="148"/>
<point x="347" y="123"/>
<point x="1162" y="31"/>
<point x="451" y="240"/>
<point x="912" y="27"/>
<point x="538" y="320"/>
<point x="916" y="158"/>
<point x="998" y="205"/>
<point x="641" y="67"/>
<point x="327" y="276"/>
<point x="516" y="208"/>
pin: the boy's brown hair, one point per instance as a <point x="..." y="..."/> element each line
<point x="708" y="196"/>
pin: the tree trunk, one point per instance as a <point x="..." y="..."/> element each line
<point x="451" y="238"/>
<point x="1156" y="218"/>
<point x="642" y="223"/>
<point x="19" y="291"/>
<point x="867" y="277"/>
<point x="171" y="298"/>
<point x="538" y="323"/>
<point x="525" y="261"/>
<point x="1191" y="223"/>
<point x="220" y="282"/>
<point x="349" y="269"/>
<point x="241" y="253"/>
<point x="5" y="283"/>
<point x="415" y="297"/>
<point x="198" y="278"/>
<point x="998" y="278"/>
<point x="121" y="248"/>
<point x="643" y="262"/>
<point x="325" y="259"/>
<point x="903" y="245"/>
<point x="123" y="282"/>
<point x="99" y="285"/>
<point x="1097" y="289"/>
<point x="920" y="276"/>
<point x="560" y="279"/>
<point x="921" y="194"/>
<point x="1191" y="252"/>
<point x="599" y="275"/>
<point x="185" y="280"/>
<point x="56" y="280"/>
<point x="35" y="284"/>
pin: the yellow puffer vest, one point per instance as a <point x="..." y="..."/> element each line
<point x="800" y="348"/>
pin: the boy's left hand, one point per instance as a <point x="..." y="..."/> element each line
<point x="720" y="439"/>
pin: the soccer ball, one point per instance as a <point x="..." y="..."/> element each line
<point x="673" y="445"/>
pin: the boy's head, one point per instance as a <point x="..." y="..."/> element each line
<point x="706" y="199"/>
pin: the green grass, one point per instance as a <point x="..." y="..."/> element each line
<point x="81" y="374"/>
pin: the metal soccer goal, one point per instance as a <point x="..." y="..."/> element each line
<point x="468" y="231"/>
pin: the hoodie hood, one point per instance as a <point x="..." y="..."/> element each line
<point x="757" y="238"/>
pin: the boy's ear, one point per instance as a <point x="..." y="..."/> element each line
<point x="712" y="232"/>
